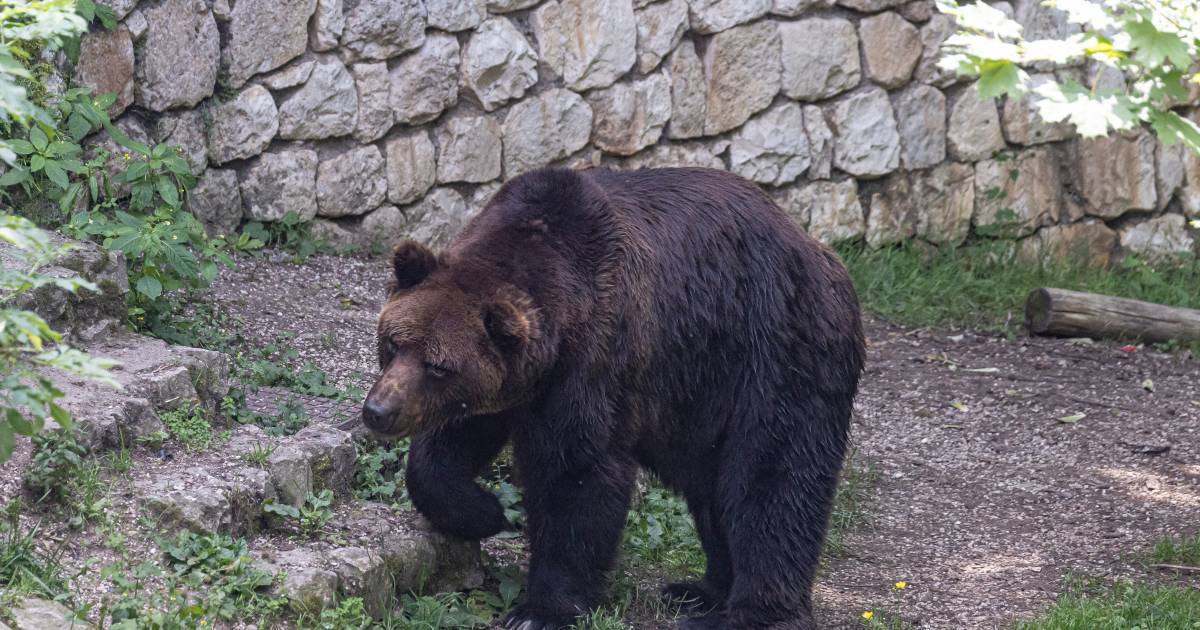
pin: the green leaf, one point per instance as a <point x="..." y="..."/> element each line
<point x="13" y="177"/>
<point x="998" y="78"/>
<point x="149" y="287"/>
<point x="38" y="138"/>
<point x="36" y="163"/>
<point x="20" y="147"/>
<point x="104" y="101"/>
<point x="78" y="127"/>
<point x="19" y="423"/>
<point x="1154" y="47"/>
<point x="166" y="190"/>
<point x="57" y="174"/>
<point x="86" y="9"/>
<point x="7" y="443"/>
<point x="61" y="416"/>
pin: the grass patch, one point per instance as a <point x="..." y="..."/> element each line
<point x="26" y="566"/>
<point x="190" y="427"/>
<point x="982" y="287"/>
<point x="1121" y="605"/>
<point x="1185" y="551"/>
<point x="850" y="506"/>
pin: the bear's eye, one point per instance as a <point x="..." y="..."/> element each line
<point x="436" y="371"/>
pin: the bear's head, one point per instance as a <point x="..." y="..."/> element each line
<point x="451" y="345"/>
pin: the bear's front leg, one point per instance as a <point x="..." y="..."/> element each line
<point x="442" y="467"/>
<point x="574" y="526"/>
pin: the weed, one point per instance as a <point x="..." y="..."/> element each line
<point x="311" y="517"/>
<point x="55" y="461"/>
<point x="190" y="427"/>
<point x="259" y="454"/>
<point x="25" y="565"/>
<point x="601" y="619"/>
<point x="89" y="502"/>
<point x="982" y="286"/>
<point x="349" y="614"/>
<point x="850" y="503"/>
<point x="661" y="532"/>
<point x="378" y="474"/>
<point x="1185" y="551"/>
<point x="290" y="233"/>
<point x="1120" y="605"/>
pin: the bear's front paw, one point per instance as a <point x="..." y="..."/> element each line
<point x="693" y="598"/>
<point x="707" y="622"/>
<point x="519" y="620"/>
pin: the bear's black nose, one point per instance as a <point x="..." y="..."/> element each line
<point x="375" y="416"/>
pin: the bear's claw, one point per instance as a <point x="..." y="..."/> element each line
<point x="691" y="597"/>
<point x="518" y="621"/>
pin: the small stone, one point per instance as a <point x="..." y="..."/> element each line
<point x="364" y="574"/>
<point x="1090" y="242"/>
<point x="694" y="154"/>
<point x="375" y="116"/>
<point x="743" y="72"/>
<point x="1162" y="239"/>
<point x="893" y="213"/>
<point x="137" y="25"/>
<point x="291" y="473"/>
<point x="106" y="65"/>
<point x="974" y="130"/>
<point x="328" y="22"/>
<point x="820" y="142"/>
<point x="597" y="39"/>
<point x="1169" y="171"/>
<point x="772" y="148"/>
<point x="795" y="8"/>
<point x="630" y="116"/>
<point x="121" y="8"/>
<point x="829" y="209"/>
<point x="469" y="149"/>
<point x="325" y="107"/>
<point x="1016" y="196"/>
<point x="351" y="183"/>
<point x="660" y="27"/>
<point x="411" y="166"/>
<point x="689" y="96"/>
<point x="1023" y="124"/>
<point x="308" y="589"/>
<point x="42" y="614"/>
<point x="290" y="75"/>
<point x="921" y="121"/>
<point x="279" y="182"/>
<point x="178" y="55"/>
<point x="1116" y="174"/>
<point x="820" y="58"/>
<point x="919" y="11"/>
<point x="184" y="130"/>
<point x="216" y="202"/>
<point x="933" y="34"/>
<point x="714" y="16"/>
<point x="264" y="35"/>
<point x="508" y="6"/>
<point x="866" y="143"/>
<point x="945" y="196"/>
<point x="498" y="64"/>
<point x="455" y="15"/>
<point x="891" y="47"/>
<point x="380" y="29"/>
<point x="437" y="218"/>
<point x="243" y="127"/>
<point x="425" y="83"/>
<point x="538" y="130"/>
<point x="870" y="6"/>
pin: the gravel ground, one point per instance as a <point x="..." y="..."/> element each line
<point x="985" y="499"/>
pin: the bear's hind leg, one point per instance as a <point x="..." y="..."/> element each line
<point x="708" y="595"/>
<point x="442" y="467"/>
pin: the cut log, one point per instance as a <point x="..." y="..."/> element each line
<point x="1076" y="314"/>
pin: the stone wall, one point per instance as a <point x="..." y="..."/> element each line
<point x="377" y="118"/>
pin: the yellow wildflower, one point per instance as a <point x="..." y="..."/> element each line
<point x="901" y="584"/>
<point x="868" y="614"/>
<point x="126" y="156"/>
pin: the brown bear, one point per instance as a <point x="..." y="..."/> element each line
<point x="673" y="319"/>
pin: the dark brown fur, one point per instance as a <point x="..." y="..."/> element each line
<point x="674" y="319"/>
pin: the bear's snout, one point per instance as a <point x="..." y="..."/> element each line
<point x="377" y="417"/>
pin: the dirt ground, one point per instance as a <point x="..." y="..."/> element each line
<point x="985" y="498"/>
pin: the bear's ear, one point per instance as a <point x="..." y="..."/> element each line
<point x="511" y="320"/>
<point x="412" y="262"/>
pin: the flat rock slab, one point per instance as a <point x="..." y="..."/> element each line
<point x="379" y="554"/>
